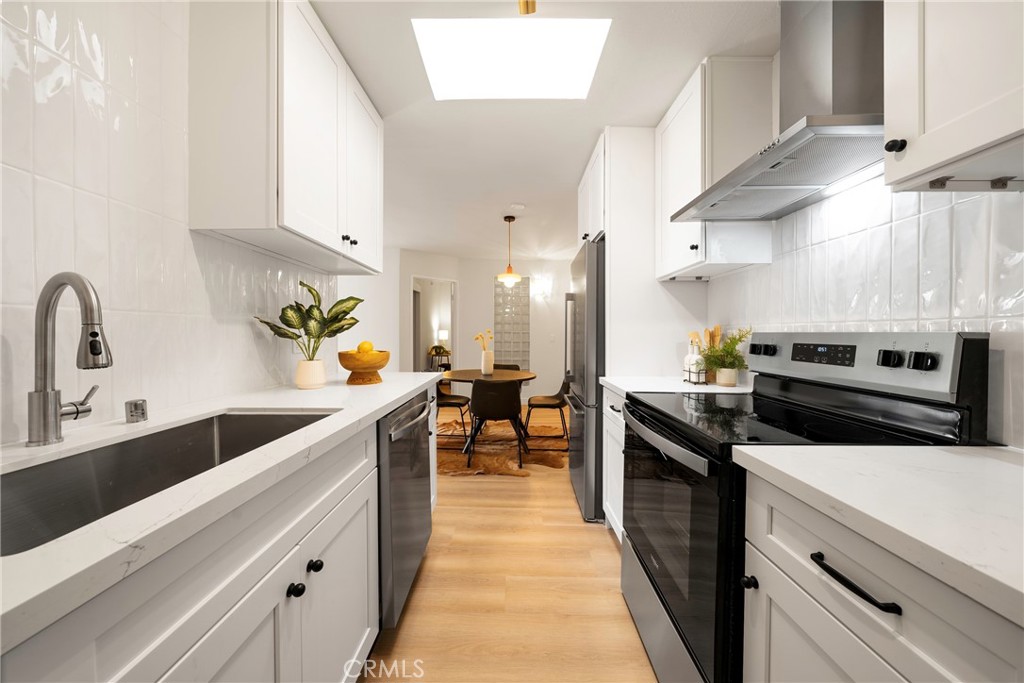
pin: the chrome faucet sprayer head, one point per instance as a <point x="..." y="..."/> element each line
<point x="93" y="350"/>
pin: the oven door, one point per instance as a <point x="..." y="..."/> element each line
<point x="672" y="513"/>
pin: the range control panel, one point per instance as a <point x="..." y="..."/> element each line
<point x="827" y="354"/>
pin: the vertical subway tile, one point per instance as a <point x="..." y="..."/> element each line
<point x="18" y="99"/>
<point x="837" y="301"/>
<point x="90" y="147"/>
<point x="124" y="256"/>
<point x="174" y="79"/>
<point x="121" y="50"/>
<point x="18" y="244"/>
<point x="174" y="15"/>
<point x="904" y="326"/>
<point x="788" y="233"/>
<point x="905" y="279"/>
<point x="855" y="247"/>
<point x="971" y="221"/>
<point x="89" y="29"/>
<point x="935" y="263"/>
<point x="92" y="241"/>
<point x="802" y="285"/>
<point x="819" y="282"/>
<point x="147" y="54"/>
<point x="16" y="352"/>
<point x="879" y="272"/>
<point x="930" y="201"/>
<point x="803" y="229"/>
<point x="817" y="220"/>
<point x="775" y="291"/>
<point x="123" y="140"/>
<point x="153" y="295"/>
<point x="52" y="21"/>
<point x="905" y="205"/>
<point x="776" y="238"/>
<point x="53" y="123"/>
<point x="148" y="167"/>
<point x="1006" y="280"/>
<point x="788" y="287"/>
<point x="173" y="238"/>
<point x="174" y="173"/>
<point x="54" y="218"/>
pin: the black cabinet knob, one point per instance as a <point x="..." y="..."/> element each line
<point x="769" y="349"/>
<point x="295" y="590"/>
<point x="922" y="360"/>
<point x="694" y="247"/>
<point x="586" y="236"/>
<point x="355" y="242"/>
<point x="895" y="145"/>
<point x="314" y="565"/>
<point x="888" y="358"/>
<point x="749" y="582"/>
<point x="345" y="238"/>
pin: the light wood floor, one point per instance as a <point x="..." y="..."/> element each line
<point x="515" y="586"/>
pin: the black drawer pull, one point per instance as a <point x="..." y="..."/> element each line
<point x="887" y="607"/>
<point x="614" y="409"/>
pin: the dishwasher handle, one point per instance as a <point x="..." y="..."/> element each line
<point x="396" y="434"/>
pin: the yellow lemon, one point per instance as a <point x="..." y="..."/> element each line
<point x="365" y="347"/>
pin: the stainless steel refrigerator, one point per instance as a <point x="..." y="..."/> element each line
<point x="584" y="365"/>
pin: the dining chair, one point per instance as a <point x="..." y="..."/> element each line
<point x="555" y="402"/>
<point x="446" y="399"/>
<point x="506" y="366"/>
<point x="496" y="401"/>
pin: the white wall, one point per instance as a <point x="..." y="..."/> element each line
<point x="414" y="264"/>
<point x="94" y="180"/>
<point x="871" y="260"/>
<point x="378" y="320"/>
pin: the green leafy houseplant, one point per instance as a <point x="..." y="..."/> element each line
<point x="308" y="326"/>
<point x="727" y="355"/>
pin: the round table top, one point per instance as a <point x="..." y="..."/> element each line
<point x="498" y="376"/>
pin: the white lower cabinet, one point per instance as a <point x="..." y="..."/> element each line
<point x="612" y="469"/>
<point x="217" y="606"/>
<point x="803" y="623"/>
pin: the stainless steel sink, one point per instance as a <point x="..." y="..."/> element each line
<point x="44" y="502"/>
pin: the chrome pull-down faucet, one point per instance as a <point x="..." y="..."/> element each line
<point x="45" y="411"/>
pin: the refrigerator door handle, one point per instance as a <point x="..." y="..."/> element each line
<point x="570" y="334"/>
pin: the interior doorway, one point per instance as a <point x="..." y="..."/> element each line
<point x="433" y="322"/>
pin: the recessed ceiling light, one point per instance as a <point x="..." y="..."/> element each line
<point x="511" y="59"/>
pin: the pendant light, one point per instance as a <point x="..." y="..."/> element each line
<point x="510" y="277"/>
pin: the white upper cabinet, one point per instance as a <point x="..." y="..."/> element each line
<point x="289" y="158"/>
<point x="722" y="116"/>
<point x="954" y="92"/>
<point x="590" y="221"/>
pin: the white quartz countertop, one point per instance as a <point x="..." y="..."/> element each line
<point x="670" y="384"/>
<point x="957" y="513"/>
<point x="43" y="584"/>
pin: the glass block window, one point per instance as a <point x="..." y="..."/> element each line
<point x="512" y="323"/>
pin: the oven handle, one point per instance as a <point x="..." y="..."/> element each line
<point x="684" y="457"/>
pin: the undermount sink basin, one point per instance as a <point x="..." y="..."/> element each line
<point x="44" y="502"/>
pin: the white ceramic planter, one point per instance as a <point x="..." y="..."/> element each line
<point x="487" y="362"/>
<point x="726" y="377"/>
<point x="310" y="374"/>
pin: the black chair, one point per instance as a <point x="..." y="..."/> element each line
<point x="446" y="399"/>
<point x="506" y="366"/>
<point x="556" y="402"/>
<point x="496" y="401"/>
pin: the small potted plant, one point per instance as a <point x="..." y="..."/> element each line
<point x="308" y="327"/>
<point x="725" y="359"/>
<point x="486" y="355"/>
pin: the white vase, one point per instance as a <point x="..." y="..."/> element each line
<point x="310" y="374"/>
<point x="487" y="362"/>
<point x="726" y="377"/>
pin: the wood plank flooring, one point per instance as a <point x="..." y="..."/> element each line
<point x="515" y="586"/>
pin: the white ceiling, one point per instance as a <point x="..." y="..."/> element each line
<point x="452" y="169"/>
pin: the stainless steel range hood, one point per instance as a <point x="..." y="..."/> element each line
<point x="830" y="99"/>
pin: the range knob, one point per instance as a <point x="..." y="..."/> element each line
<point x="756" y="349"/>
<point x="922" y="360"/>
<point x="888" y="358"/>
<point x="769" y="349"/>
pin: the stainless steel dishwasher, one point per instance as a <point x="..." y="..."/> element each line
<point x="403" y="451"/>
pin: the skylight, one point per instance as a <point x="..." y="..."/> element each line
<point x="511" y="59"/>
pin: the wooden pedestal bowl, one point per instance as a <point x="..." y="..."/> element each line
<point x="364" y="365"/>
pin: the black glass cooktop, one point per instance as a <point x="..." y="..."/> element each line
<point x="723" y="419"/>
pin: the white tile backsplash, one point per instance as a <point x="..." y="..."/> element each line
<point x="94" y="179"/>
<point x="905" y="262"/>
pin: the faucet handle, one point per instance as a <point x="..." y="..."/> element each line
<point x="90" y="394"/>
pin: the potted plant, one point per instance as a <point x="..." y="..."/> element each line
<point x="725" y="359"/>
<point x="308" y="327"/>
